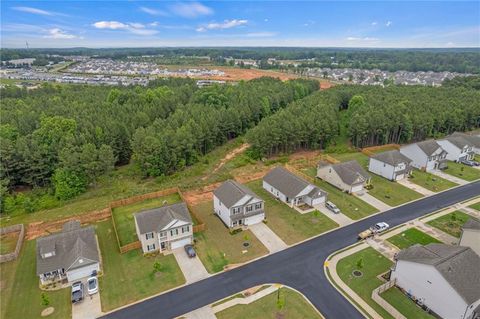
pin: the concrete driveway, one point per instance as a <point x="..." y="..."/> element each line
<point x="339" y="218"/>
<point x="89" y="308"/>
<point x="369" y="199"/>
<point x="268" y="238"/>
<point x="192" y="268"/>
<point x="449" y="177"/>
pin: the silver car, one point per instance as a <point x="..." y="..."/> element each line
<point x="331" y="206"/>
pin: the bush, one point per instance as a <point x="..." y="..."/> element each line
<point x="235" y="231"/>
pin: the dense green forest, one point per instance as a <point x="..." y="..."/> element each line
<point x="465" y="60"/>
<point x="470" y="82"/>
<point x="68" y="135"/>
<point x="369" y="116"/>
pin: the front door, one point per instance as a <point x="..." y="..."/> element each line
<point x="163" y="245"/>
<point x="240" y="222"/>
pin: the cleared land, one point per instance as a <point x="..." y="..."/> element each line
<point x="130" y="277"/>
<point x="124" y="220"/>
<point x="286" y="222"/>
<point x="8" y="242"/>
<point x="431" y="182"/>
<point x="296" y="307"/>
<point x="411" y="237"/>
<point x="451" y="223"/>
<point x="462" y="171"/>
<point x="217" y="248"/>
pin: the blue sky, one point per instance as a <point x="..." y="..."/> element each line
<point x="240" y="23"/>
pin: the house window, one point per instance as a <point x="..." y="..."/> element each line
<point x="258" y="206"/>
<point x="174" y="232"/>
<point x="185" y="229"/>
<point x="236" y="210"/>
<point x="151" y="247"/>
<point x="149" y="235"/>
<point x="163" y="234"/>
<point x="249" y="208"/>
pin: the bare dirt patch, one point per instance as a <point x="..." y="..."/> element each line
<point x="232" y="154"/>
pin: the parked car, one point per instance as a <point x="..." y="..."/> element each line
<point x="331" y="206"/>
<point x="190" y="251"/>
<point x="92" y="285"/>
<point x="77" y="292"/>
<point x="375" y="229"/>
<point x="468" y="163"/>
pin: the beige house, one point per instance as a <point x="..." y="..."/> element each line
<point x="471" y="235"/>
<point x="348" y="176"/>
<point x="164" y="228"/>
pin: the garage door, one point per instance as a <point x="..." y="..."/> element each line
<point x="318" y="201"/>
<point x="254" y="219"/>
<point x="357" y="188"/>
<point x="180" y="243"/>
<point x="399" y="177"/>
<point x="80" y="273"/>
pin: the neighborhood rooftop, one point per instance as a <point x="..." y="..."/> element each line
<point x="286" y="182"/>
<point x="472" y="223"/>
<point x="392" y="158"/>
<point x="230" y="192"/>
<point x="458" y="141"/>
<point x="154" y="220"/>
<point x="460" y="266"/>
<point x="350" y="172"/>
<point x="72" y="248"/>
<point x="428" y="147"/>
<point x="474" y="140"/>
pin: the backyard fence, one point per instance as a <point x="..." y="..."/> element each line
<point x="139" y="198"/>
<point x="199" y="224"/>
<point x="13" y="229"/>
<point x="382" y="302"/>
<point x="370" y="151"/>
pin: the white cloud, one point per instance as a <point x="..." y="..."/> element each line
<point x="153" y="12"/>
<point x="227" y="24"/>
<point x="266" y="20"/>
<point x="367" y="39"/>
<point x="57" y="33"/>
<point x="34" y="11"/>
<point x="114" y="25"/>
<point x="191" y="9"/>
<point x="264" y="34"/>
<point x="374" y="23"/>
<point x="137" y="25"/>
<point x="389" y="23"/>
<point x="133" y="27"/>
<point x="154" y="24"/>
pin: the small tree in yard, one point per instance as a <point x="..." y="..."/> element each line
<point x="360" y="263"/>
<point x="45" y="299"/>
<point x="157" y="267"/>
<point x="280" y="301"/>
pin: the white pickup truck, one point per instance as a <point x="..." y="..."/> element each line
<point x="375" y="229"/>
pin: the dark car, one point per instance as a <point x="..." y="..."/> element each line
<point x="77" y="292"/>
<point x="190" y="251"/>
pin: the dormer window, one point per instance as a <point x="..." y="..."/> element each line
<point x="49" y="254"/>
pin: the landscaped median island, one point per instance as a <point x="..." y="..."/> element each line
<point x="451" y="223"/>
<point x="217" y="247"/>
<point x="290" y="225"/>
<point x="411" y="237"/>
<point x="131" y="276"/>
<point x="284" y="303"/>
<point x="462" y="171"/>
<point x="429" y="181"/>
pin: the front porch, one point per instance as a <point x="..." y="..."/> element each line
<point x="53" y="280"/>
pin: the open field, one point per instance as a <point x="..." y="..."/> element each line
<point x="451" y="223"/>
<point x="296" y="307"/>
<point x="217" y="248"/>
<point x="286" y="222"/>
<point x="20" y="295"/>
<point x="411" y="237"/>
<point x="8" y="242"/>
<point x="429" y="181"/>
<point x="130" y="277"/>
<point x="403" y="304"/>
<point x="462" y="171"/>
<point x="125" y="222"/>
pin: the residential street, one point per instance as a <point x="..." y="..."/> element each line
<point x="300" y="267"/>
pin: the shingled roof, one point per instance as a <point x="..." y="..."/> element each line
<point x="154" y="220"/>
<point x="458" y="141"/>
<point x="474" y="140"/>
<point x="472" y="223"/>
<point x="428" y="147"/>
<point x="74" y="247"/>
<point x="230" y="192"/>
<point x="460" y="266"/>
<point x="351" y="172"/>
<point x="286" y="182"/>
<point x="392" y="158"/>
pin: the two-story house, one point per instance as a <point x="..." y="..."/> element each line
<point x="237" y="205"/>
<point x="427" y="155"/>
<point x="473" y="139"/>
<point x="164" y="228"/>
<point x="458" y="148"/>
<point x="392" y="165"/>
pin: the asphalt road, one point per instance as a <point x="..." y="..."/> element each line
<point x="300" y="267"/>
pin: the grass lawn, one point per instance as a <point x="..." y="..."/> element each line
<point x="286" y="222"/>
<point x="296" y="307"/>
<point x="20" y="295"/>
<point x="124" y="221"/>
<point x="411" y="237"/>
<point x="129" y="277"/>
<point x="374" y="264"/>
<point x="429" y="181"/>
<point x="8" y="242"/>
<point x="391" y="193"/>
<point x="451" y="223"/>
<point x="462" y="171"/>
<point x="404" y="304"/>
<point x="216" y="247"/>
<point x="475" y="206"/>
<point x="350" y="205"/>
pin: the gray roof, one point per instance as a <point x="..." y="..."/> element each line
<point x="351" y="172"/>
<point x="458" y="141"/>
<point x="286" y="182"/>
<point x="460" y="266"/>
<point x="74" y="247"/>
<point x="474" y="140"/>
<point x="230" y="192"/>
<point x="472" y="223"/>
<point x="154" y="220"/>
<point x="428" y="147"/>
<point x="392" y="158"/>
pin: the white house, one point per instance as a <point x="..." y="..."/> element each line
<point x="348" y="176"/>
<point x="427" y="155"/>
<point x="392" y="165"/>
<point x="69" y="255"/>
<point x="471" y="235"/>
<point x="458" y="148"/>
<point x="291" y="189"/>
<point x="444" y="278"/>
<point x="164" y="228"/>
<point x="237" y="205"/>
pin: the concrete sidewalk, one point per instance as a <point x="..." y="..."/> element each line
<point x="383" y="247"/>
<point x="340" y="218"/>
<point x="449" y="177"/>
<point x="373" y="201"/>
<point x="201" y="313"/>
<point x="246" y="300"/>
<point x="268" y="238"/>
<point x="192" y="268"/>
<point x="414" y="187"/>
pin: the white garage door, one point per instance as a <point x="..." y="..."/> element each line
<point x="399" y="177"/>
<point x="180" y="243"/>
<point x="254" y="219"/>
<point x="318" y="201"/>
<point x="80" y="273"/>
<point x="357" y="188"/>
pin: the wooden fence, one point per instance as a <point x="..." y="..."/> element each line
<point x="382" y="302"/>
<point x="370" y="151"/>
<point x="139" y="198"/>
<point x="200" y="224"/>
<point x="12" y="229"/>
